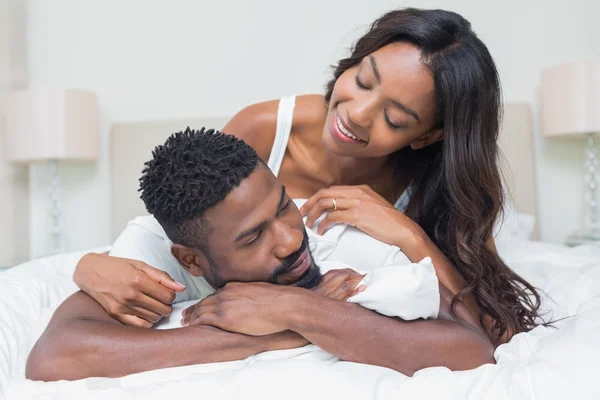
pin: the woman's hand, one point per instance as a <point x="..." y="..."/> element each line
<point x="361" y="207"/>
<point x="340" y="284"/>
<point x="131" y="291"/>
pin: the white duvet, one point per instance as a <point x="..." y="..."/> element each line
<point x="546" y="363"/>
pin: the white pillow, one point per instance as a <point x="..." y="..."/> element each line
<point x="513" y="226"/>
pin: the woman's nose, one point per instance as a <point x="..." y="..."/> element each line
<point x="361" y="112"/>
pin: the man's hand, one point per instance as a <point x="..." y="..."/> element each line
<point x="250" y="308"/>
<point x="259" y="308"/>
<point x="340" y="284"/>
<point x="131" y="291"/>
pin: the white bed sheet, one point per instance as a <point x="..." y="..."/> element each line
<point x="546" y="363"/>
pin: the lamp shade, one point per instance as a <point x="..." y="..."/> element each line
<point x="52" y="124"/>
<point x="570" y="99"/>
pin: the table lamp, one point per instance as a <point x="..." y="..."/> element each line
<point x="570" y="106"/>
<point x="48" y="125"/>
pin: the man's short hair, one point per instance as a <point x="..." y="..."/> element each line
<point x="192" y="172"/>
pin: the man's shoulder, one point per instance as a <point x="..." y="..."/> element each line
<point x="148" y="223"/>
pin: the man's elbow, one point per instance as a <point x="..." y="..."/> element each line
<point x="480" y="352"/>
<point x="53" y="359"/>
<point x="469" y="352"/>
<point x="43" y="363"/>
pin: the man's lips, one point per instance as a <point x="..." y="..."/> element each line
<point x="297" y="270"/>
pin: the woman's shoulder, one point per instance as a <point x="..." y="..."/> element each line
<point x="310" y="113"/>
<point x="256" y="124"/>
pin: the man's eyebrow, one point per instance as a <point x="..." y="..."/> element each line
<point x="262" y="224"/>
<point x="407" y="110"/>
<point x="251" y="231"/>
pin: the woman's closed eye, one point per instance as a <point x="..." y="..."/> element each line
<point x="391" y="124"/>
<point x="359" y="83"/>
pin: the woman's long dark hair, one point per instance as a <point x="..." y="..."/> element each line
<point x="458" y="194"/>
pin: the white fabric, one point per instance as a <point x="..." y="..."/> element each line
<point x="408" y="291"/>
<point x="395" y="286"/>
<point x="402" y="202"/>
<point x="285" y="116"/>
<point x="546" y="363"/>
<point x="513" y="226"/>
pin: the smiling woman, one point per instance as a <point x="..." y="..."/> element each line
<point x="374" y="105"/>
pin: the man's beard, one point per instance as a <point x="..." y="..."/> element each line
<point x="311" y="278"/>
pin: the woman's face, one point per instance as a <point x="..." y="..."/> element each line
<point x="382" y="105"/>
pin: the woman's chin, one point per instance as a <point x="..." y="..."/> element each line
<point x="340" y="149"/>
<point x="333" y="146"/>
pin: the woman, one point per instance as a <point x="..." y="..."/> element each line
<point x="403" y="146"/>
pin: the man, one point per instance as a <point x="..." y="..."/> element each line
<point x="230" y="220"/>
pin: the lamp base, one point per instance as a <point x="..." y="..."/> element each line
<point x="591" y="236"/>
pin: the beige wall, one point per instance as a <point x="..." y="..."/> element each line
<point x="14" y="189"/>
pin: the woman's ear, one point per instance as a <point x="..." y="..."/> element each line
<point x="193" y="261"/>
<point x="427" y="139"/>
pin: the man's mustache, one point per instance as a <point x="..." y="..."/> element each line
<point x="290" y="260"/>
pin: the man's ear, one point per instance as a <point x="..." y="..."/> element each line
<point x="429" y="138"/>
<point x="192" y="260"/>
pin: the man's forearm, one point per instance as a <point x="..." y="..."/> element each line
<point x="353" y="333"/>
<point x="97" y="345"/>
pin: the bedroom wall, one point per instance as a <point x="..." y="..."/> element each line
<point x="162" y="60"/>
<point x="14" y="187"/>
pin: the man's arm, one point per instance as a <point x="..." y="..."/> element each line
<point x="349" y="331"/>
<point x="353" y="333"/>
<point x="82" y="341"/>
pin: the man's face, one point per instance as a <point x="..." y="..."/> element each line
<point x="258" y="235"/>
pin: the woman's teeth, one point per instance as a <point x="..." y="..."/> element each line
<point x="345" y="131"/>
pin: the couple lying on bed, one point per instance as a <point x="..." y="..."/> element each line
<point x="229" y="219"/>
<point x="403" y="147"/>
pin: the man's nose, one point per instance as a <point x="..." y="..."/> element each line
<point x="289" y="240"/>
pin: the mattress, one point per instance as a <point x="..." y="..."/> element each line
<point x="547" y="363"/>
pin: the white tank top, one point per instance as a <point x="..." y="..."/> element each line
<point x="285" y="115"/>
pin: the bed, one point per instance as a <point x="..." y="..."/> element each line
<point x="547" y="363"/>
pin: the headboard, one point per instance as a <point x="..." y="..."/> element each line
<point x="132" y="143"/>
